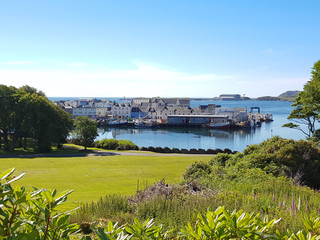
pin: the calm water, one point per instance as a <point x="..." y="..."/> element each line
<point x="207" y="138"/>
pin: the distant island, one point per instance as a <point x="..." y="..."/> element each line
<point x="286" y="96"/>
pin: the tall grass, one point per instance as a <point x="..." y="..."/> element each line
<point x="276" y="198"/>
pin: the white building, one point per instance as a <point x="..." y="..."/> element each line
<point x="84" y="111"/>
<point x="121" y="110"/>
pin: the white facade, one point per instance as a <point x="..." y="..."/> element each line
<point x="84" y="111"/>
<point x="121" y="110"/>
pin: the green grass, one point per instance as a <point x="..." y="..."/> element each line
<point x="93" y="177"/>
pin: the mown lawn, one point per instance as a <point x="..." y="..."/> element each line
<point x="95" y="176"/>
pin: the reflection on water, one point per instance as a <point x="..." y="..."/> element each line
<point x="211" y="138"/>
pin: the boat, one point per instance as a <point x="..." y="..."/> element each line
<point x="117" y="123"/>
<point x="223" y="125"/>
<point x="143" y="124"/>
<point x="268" y="117"/>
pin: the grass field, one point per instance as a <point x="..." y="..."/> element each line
<point x="96" y="176"/>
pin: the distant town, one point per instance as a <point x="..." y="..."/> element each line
<point x="157" y="111"/>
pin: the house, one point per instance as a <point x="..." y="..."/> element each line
<point x="137" y="113"/>
<point x="84" y="111"/>
<point x="121" y="110"/>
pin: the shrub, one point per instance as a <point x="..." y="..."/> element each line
<point x="110" y="144"/>
<point x="113" y="144"/>
<point x="220" y="159"/>
<point x="31" y="215"/>
<point x="296" y="159"/>
<point x="197" y="170"/>
<point x="143" y="149"/>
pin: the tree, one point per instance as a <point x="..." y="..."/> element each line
<point x="7" y="113"/>
<point x="85" y="130"/>
<point x="307" y="104"/>
<point x="27" y="113"/>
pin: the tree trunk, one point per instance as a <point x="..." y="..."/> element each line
<point x="25" y="143"/>
<point x="5" y="140"/>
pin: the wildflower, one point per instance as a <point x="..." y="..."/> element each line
<point x="308" y="207"/>
<point x="293" y="206"/>
<point x="273" y="198"/>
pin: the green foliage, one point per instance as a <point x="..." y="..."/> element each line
<point x="31" y="215"/>
<point x="27" y="113"/>
<point x="85" y="131"/>
<point x="113" y="144"/>
<point x="299" y="160"/>
<point x="218" y="224"/>
<point x="307" y="104"/>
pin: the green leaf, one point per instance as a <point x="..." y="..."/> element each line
<point x="6" y="173"/>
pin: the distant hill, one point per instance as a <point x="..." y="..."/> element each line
<point x="268" y="98"/>
<point x="289" y="95"/>
<point x="286" y="96"/>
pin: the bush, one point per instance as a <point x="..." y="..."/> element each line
<point x="31" y="214"/>
<point x="220" y="159"/>
<point x="197" y="170"/>
<point x="143" y="149"/>
<point x="110" y="144"/>
<point x="113" y="144"/>
<point x="296" y="159"/>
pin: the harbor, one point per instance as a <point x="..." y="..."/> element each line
<point x="166" y="112"/>
<point x="189" y="137"/>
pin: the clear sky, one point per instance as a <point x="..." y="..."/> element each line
<point x="168" y="48"/>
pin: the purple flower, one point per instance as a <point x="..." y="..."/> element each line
<point x="293" y="206"/>
<point x="273" y="198"/>
<point x="308" y="207"/>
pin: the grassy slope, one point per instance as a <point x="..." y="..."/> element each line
<point x="92" y="177"/>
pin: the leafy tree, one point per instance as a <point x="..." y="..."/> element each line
<point x="7" y="113"/>
<point x="27" y="113"/>
<point x="28" y="89"/>
<point x="307" y="104"/>
<point x="85" y="131"/>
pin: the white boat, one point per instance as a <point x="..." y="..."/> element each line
<point x="143" y="124"/>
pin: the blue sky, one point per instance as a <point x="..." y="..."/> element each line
<point x="166" y="48"/>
